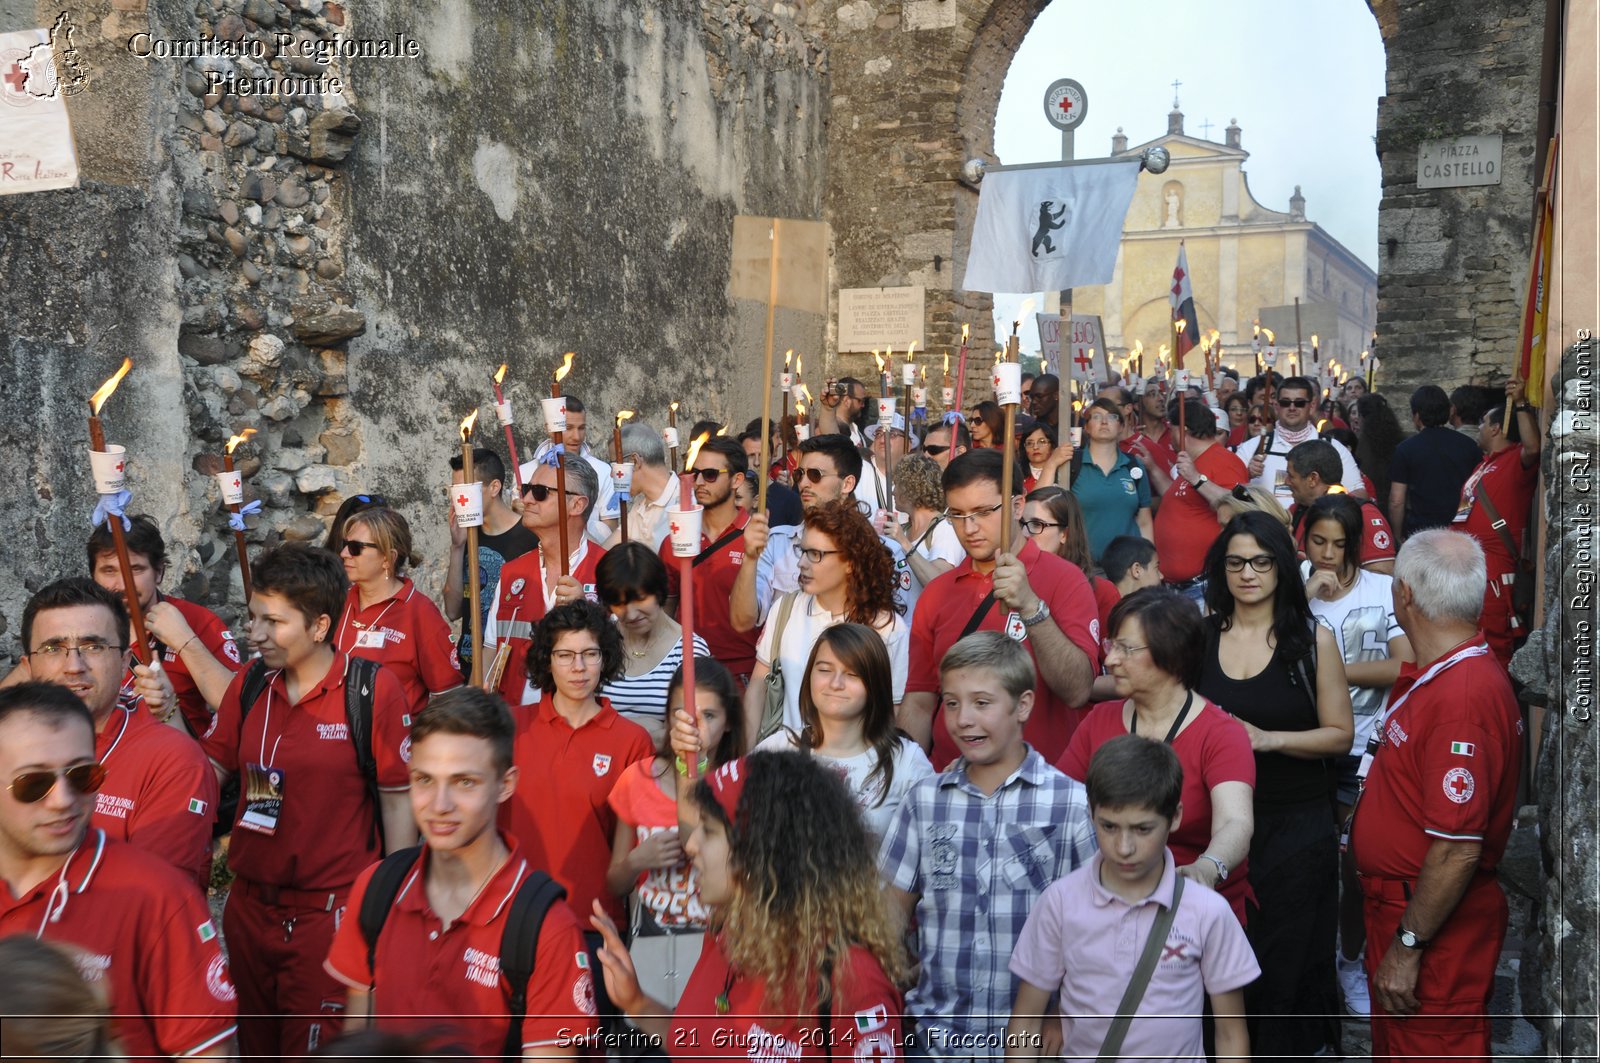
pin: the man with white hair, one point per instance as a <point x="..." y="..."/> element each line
<point x="654" y="489"/>
<point x="1434" y="812"/>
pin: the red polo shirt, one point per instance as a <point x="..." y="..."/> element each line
<point x="1163" y="451"/>
<point x="713" y="590"/>
<point x="565" y="818"/>
<point x="146" y="936"/>
<point x="1447" y="766"/>
<point x="324" y="836"/>
<point x="217" y="639"/>
<point x="1377" y="541"/>
<point x="429" y="973"/>
<point x="160" y="792"/>
<point x="408" y="636"/>
<point x="947" y="604"/>
<point x="520" y="601"/>
<point x="1186" y="525"/>
<point x="1510" y="486"/>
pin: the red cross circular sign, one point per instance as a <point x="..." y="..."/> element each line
<point x="1066" y="105"/>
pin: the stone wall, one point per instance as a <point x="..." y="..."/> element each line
<point x="343" y="269"/>
<point x="1452" y="261"/>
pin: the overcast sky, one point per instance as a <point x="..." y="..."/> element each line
<point x="1302" y="78"/>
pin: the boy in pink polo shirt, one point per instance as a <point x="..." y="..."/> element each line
<point x="1095" y="922"/>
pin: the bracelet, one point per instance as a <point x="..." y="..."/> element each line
<point x="683" y="768"/>
<point x="186" y="644"/>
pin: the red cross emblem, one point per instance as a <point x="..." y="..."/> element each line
<point x="1177" y="281"/>
<point x="1065" y="105"/>
<point x="16" y="77"/>
<point x="1174" y="952"/>
<point x="1459" y="785"/>
<point x="120" y="465"/>
<point x="1082" y="361"/>
<point x="461" y="499"/>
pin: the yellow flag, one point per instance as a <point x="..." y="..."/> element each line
<point x="1536" y="303"/>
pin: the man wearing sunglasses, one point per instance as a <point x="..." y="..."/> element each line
<point x="533" y="584"/>
<point x="143" y="932"/>
<point x="160" y="792"/>
<point x="720" y="462"/>
<point x="575" y="440"/>
<point x="1034" y="597"/>
<point x="502" y="538"/>
<point x="1150" y="438"/>
<point x="946" y="442"/>
<point x="830" y="467"/>
<point x="1266" y="457"/>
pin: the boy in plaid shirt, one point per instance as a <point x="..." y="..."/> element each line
<point x="973" y="848"/>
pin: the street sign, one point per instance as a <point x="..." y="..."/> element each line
<point x="1066" y="105"/>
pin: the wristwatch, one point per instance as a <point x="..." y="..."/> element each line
<point x="1222" y="868"/>
<point x="1409" y="940"/>
<point x="1038" y="617"/>
<point x="1204" y="479"/>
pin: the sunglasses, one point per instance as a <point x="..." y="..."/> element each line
<point x="539" y="492"/>
<point x="1255" y="420"/>
<point x="933" y="450"/>
<point x="1298" y="404"/>
<point x="32" y="786"/>
<point x="709" y="476"/>
<point x="815" y="475"/>
<point x="372" y="500"/>
<point x="354" y="547"/>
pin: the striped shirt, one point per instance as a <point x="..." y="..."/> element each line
<point x="643" y="698"/>
<point x="977" y="864"/>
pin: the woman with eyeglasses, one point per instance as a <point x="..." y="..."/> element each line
<point x="1052" y="518"/>
<point x="1112" y="487"/>
<point x="929" y="542"/>
<point x="804" y="953"/>
<point x="1154" y="652"/>
<point x="1045" y="458"/>
<point x="847" y="715"/>
<point x="1270" y="665"/>
<point x="1237" y="407"/>
<point x="386" y="619"/>
<point x="846" y="574"/>
<point x="1255" y="423"/>
<point x="631" y="580"/>
<point x="1354" y="603"/>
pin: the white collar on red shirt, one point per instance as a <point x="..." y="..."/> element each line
<point x="83" y="862"/>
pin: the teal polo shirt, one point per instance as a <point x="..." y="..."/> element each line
<point x="1111" y="501"/>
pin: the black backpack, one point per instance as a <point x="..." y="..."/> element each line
<point x="518" y="942"/>
<point x="360" y="681"/>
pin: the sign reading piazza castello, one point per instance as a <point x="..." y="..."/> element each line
<point x="1459" y="162"/>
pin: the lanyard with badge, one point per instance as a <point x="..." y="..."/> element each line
<point x="263" y="783"/>
<point x="370" y="636"/>
<point x="1377" y="739"/>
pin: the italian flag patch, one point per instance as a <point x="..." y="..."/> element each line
<point x="206" y="931"/>
<point x="1462" y="749"/>
<point x="197" y="806"/>
<point x="874" y="1018"/>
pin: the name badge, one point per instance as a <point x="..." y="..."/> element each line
<point x="369" y="640"/>
<point x="263" y="798"/>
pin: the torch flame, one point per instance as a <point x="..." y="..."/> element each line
<point x="1322" y="424"/>
<point x="946" y="363"/>
<point x="1313" y="339"/>
<point x="566" y="367"/>
<point x="500" y="374"/>
<point x="694" y="449"/>
<point x="800" y="409"/>
<point x="234" y="441"/>
<point x="673" y="407"/>
<point x="924" y="374"/>
<point x="1026" y="308"/>
<point x="788" y="357"/>
<point x="964" y="329"/>
<point x="623" y="415"/>
<point x="1215" y="336"/>
<point x="876" y="357"/>
<point x="98" y="399"/>
<point x="1180" y="325"/>
<point x="799" y="366"/>
<point x="1138" y="348"/>
<point x="1363" y="357"/>
<point x="1272" y="337"/>
<point x="910" y="350"/>
<point x="466" y="425"/>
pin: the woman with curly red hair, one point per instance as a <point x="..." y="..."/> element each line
<point x="845" y="575"/>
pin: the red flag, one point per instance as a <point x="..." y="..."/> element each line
<point x="1182" y="299"/>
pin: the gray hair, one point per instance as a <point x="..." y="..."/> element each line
<point x="638" y="437"/>
<point x="1446" y="573"/>
<point x="582" y="479"/>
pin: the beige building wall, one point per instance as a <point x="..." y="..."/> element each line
<point x="1243" y="256"/>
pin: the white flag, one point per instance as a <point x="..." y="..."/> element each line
<point x="36" y="151"/>
<point x="1049" y="228"/>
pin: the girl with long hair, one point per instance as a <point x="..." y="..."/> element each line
<point x="1278" y="672"/>
<point x="847" y="721"/>
<point x="803" y="954"/>
<point x="647" y="858"/>
<point x="1378" y="432"/>
<point x="1355" y="604"/>
<point x="1052" y="518"/>
<point x="987" y="425"/>
<point x="1045" y="458"/>
<point x="631" y="581"/>
<point x="846" y="575"/>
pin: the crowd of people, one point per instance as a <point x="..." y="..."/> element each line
<point x="1198" y="741"/>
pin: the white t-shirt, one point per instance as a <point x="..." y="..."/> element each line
<point x="1276" y="464"/>
<point x="911" y="765"/>
<point x="1363" y="622"/>
<point x="941" y="545"/>
<point x="807" y="621"/>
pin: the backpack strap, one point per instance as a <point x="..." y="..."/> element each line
<point x="360" y="685"/>
<point x="255" y="682"/>
<point x="382" y="889"/>
<point x="519" y="944"/>
<point x="1111" y="1048"/>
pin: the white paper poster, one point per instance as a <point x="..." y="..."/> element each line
<point x="36" y="150"/>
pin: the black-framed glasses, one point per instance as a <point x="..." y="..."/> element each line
<point x="933" y="450"/>
<point x="1034" y="525"/>
<point x="973" y="517"/>
<point x="814" y="474"/>
<point x="709" y="476"/>
<point x="539" y="492"/>
<point x="1298" y="404"/>
<point x="1261" y="562"/>
<point x="88" y="650"/>
<point x="30" y="787"/>
<point x="812" y="554"/>
<point x="354" y="547"/>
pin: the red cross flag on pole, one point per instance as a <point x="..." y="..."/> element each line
<point x="1182" y="299"/>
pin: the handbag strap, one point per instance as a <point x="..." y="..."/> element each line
<point x="777" y="635"/>
<point x="1141" y="976"/>
<point x="1498" y="523"/>
<point x="727" y="537"/>
<point x="977" y="615"/>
